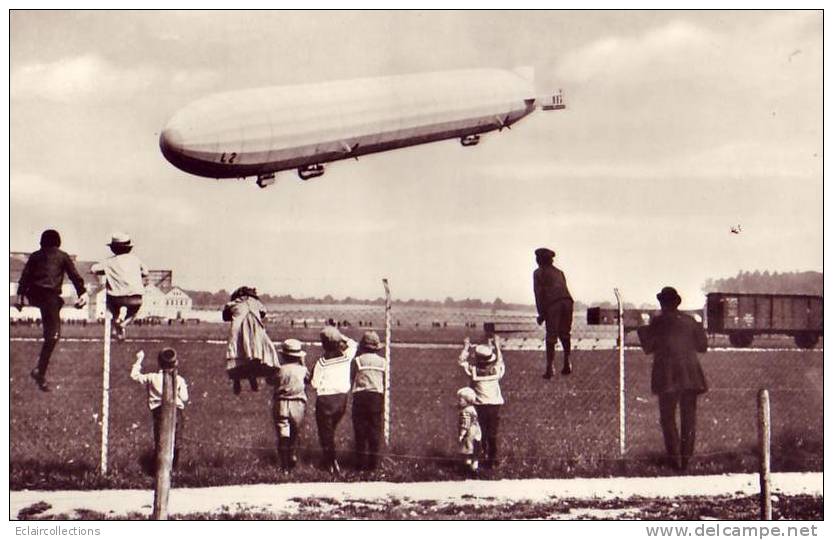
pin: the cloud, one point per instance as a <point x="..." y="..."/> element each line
<point x="26" y="189"/>
<point x="62" y="196"/>
<point x="611" y="56"/>
<point x="92" y="78"/>
<point x="724" y="159"/>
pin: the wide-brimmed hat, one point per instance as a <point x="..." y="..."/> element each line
<point x="370" y="341"/>
<point x="544" y="253"/>
<point x="167" y="358"/>
<point x="331" y="336"/>
<point x="483" y="354"/>
<point x="668" y="295"/>
<point x="292" y="347"/>
<point x="119" y="238"/>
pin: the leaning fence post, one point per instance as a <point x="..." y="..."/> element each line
<point x="387" y="361"/>
<point x="764" y="435"/>
<point x="105" y="395"/>
<point x="621" y="342"/>
<point x="165" y="449"/>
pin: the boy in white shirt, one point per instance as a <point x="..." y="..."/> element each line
<point x="153" y="384"/>
<point x="124" y="276"/>
<point x="331" y="380"/>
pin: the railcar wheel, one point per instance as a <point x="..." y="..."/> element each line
<point x="741" y="339"/>
<point x="806" y="340"/>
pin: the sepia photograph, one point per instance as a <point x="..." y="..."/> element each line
<point x="390" y="265"/>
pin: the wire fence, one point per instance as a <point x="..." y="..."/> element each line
<point x="566" y="425"/>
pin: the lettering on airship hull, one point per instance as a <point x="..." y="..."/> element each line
<point x="230" y="159"/>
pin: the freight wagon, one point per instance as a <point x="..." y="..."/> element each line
<point x="742" y="316"/>
<point x="632" y="318"/>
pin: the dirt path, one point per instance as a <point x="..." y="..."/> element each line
<point x="286" y="498"/>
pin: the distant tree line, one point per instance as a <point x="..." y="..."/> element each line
<point x="203" y="299"/>
<point x="744" y="282"/>
<point x="768" y="283"/>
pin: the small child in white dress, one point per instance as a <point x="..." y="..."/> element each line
<point x="468" y="435"/>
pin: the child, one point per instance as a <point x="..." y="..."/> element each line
<point x="485" y="377"/>
<point x="331" y="380"/>
<point x="289" y="400"/>
<point x="469" y="429"/>
<point x="250" y="353"/>
<point x="41" y="282"/>
<point x="153" y="384"/>
<point x="124" y="276"/>
<point x="368" y="375"/>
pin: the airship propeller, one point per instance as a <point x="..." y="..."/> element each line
<point x="502" y="123"/>
<point x="348" y="149"/>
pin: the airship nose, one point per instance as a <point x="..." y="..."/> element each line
<point x="170" y="142"/>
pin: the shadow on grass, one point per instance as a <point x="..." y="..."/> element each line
<point x="31" y="512"/>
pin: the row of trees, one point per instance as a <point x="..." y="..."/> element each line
<point x="768" y="283"/>
<point x="217" y="299"/>
<point x="744" y="281"/>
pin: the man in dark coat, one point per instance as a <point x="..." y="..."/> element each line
<point x="675" y="338"/>
<point x="555" y="307"/>
<point x="40" y="283"/>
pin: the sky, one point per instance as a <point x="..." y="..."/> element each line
<point x="679" y="126"/>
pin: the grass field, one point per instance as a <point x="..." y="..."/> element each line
<point x="564" y="427"/>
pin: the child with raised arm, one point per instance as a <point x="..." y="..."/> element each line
<point x="468" y="433"/>
<point x="485" y="374"/>
<point x="153" y="385"/>
<point x="331" y="380"/>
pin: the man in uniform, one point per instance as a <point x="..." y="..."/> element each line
<point x="555" y="307"/>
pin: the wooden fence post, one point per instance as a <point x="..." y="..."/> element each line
<point x="105" y="395"/>
<point x="387" y="362"/>
<point x="764" y="436"/>
<point x="165" y="449"/>
<point x="621" y="340"/>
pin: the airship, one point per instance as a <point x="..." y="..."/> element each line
<point x="259" y="132"/>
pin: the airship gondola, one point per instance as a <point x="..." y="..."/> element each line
<point x="259" y="132"/>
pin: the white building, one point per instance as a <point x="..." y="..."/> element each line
<point x="161" y="302"/>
